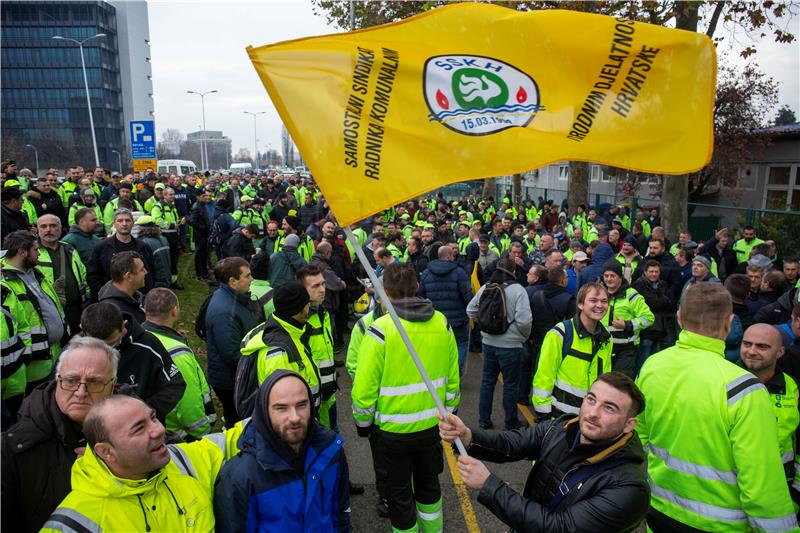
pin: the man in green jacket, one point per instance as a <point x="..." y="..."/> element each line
<point x="194" y="415"/>
<point x="82" y="234"/>
<point x="710" y="432"/>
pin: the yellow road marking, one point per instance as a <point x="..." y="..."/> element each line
<point x="461" y="489"/>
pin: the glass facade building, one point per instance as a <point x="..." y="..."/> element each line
<point x="43" y="100"/>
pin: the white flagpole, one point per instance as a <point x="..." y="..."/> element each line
<point x="403" y="334"/>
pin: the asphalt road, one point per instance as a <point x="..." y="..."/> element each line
<point x="462" y="512"/>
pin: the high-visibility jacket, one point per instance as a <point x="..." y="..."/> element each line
<point x="626" y="221"/>
<point x="570" y="360"/>
<point x="166" y="216"/>
<point x="628" y="264"/>
<point x="77" y="206"/>
<point x="501" y="242"/>
<point x="243" y="217"/>
<point x="463" y="242"/>
<point x="628" y="305"/>
<point x="194" y="414"/>
<point x="279" y="344"/>
<point x="531" y="246"/>
<point x="305" y="248"/>
<point x="783" y="397"/>
<point x="150" y="203"/>
<point x="356" y="336"/>
<point x="72" y="261"/>
<point x="710" y="433"/>
<point x="42" y="354"/>
<point x="579" y="221"/>
<point x="111" y="208"/>
<point x="14" y="345"/>
<point x="259" y="289"/>
<point x="532" y="213"/>
<point x="321" y="343"/>
<point x="388" y="390"/>
<point x="65" y="190"/>
<point x="396" y="252"/>
<point x="743" y="248"/>
<point x="178" y="497"/>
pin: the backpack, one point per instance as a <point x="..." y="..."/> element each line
<point x="492" y="314"/>
<point x="257" y="306"/>
<point x="245" y="386"/>
<point x="215" y="238"/>
<point x="200" y="321"/>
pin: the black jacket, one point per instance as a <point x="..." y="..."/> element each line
<point x="147" y="367"/>
<point x="98" y="271"/>
<point x="615" y="499"/>
<point x="49" y="204"/>
<point x="239" y="246"/>
<point x="659" y="299"/>
<point x="37" y="457"/>
<point x="780" y="311"/>
<point x="12" y="221"/>
<point x="200" y="221"/>
<point x="125" y="302"/>
<point x="670" y="273"/>
<point x="550" y="305"/>
<point x="726" y="259"/>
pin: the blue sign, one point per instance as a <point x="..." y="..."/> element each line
<point x="143" y="139"/>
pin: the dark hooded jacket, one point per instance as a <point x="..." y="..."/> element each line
<point x="98" y="270"/>
<point x="594" y="271"/>
<point x="670" y="273"/>
<point x="123" y="301"/>
<point x="228" y="319"/>
<point x="447" y="286"/>
<point x="550" y="305"/>
<point x="269" y="487"/>
<point x="779" y="312"/>
<point x="37" y="457"/>
<point x="147" y="367"/>
<point x="614" y="498"/>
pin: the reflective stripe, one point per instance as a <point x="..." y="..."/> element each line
<point x="219" y="439"/>
<point x="402" y="390"/>
<point x="406" y="418"/>
<point x="784" y="523"/>
<point x="565" y="407"/>
<point x="693" y="469"/>
<point x="572" y="389"/>
<point x="429" y="516"/>
<point x="39" y="347"/>
<point x="9" y="358"/>
<point x="741" y="387"/>
<point x="274" y="352"/>
<point x="363" y="423"/>
<point x="202" y="421"/>
<point x="376" y="333"/>
<point x="70" y="520"/>
<point x="706" y="510"/>
<point x="546" y="408"/>
<point x="160" y="249"/>
<point x="163" y="368"/>
<point x="626" y="340"/>
<point x="327" y="378"/>
<point x="541" y="393"/>
<point x="453" y="396"/>
<point x="180" y="460"/>
<point x="325" y="363"/>
<point x="369" y="411"/>
<point x="37" y="330"/>
<point x="787" y="457"/>
<point x="8" y="343"/>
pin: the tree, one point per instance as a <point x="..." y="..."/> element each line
<point x="170" y="145"/>
<point x="243" y="156"/>
<point x="785" y="116"/>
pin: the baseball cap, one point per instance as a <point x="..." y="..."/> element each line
<point x="580" y="256"/>
<point x="160" y="186"/>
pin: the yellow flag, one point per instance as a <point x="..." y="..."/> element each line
<point x="469" y="91"/>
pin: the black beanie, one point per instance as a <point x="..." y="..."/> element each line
<point x="613" y="266"/>
<point x="293" y="221"/>
<point x="290" y="299"/>
<point x="630" y="239"/>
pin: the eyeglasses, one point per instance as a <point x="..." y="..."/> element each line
<point x="73" y="384"/>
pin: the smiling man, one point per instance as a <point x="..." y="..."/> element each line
<point x="38" y="452"/>
<point x="589" y="473"/>
<point x="130" y="480"/>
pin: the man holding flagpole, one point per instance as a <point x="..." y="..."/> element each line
<point x="394" y="408"/>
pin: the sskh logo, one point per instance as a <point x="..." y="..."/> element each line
<point x="477" y="95"/>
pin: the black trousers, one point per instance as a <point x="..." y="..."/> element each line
<point x="174" y="252"/>
<point x="412" y="464"/>
<point x="228" y="406"/>
<point x="202" y="258"/>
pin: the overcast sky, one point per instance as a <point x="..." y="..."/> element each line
<point x="200" y="46"/>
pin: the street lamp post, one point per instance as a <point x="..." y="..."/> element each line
<point x="86" y="86"/>
<point x="204" y="154"/>
<point x="119" y="158"/>
<point x="35" y="155"/>
<point x="255" y="139"/>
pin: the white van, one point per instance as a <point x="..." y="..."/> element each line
<point x="241" y="168"/>
<point x="181" y="167"/>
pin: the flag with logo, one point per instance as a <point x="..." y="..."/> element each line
<point x="469" y="91"/>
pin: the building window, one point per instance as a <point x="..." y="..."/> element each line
<point x="783" y="188"/>
<point x="747" y="178"/>
<point x="595" y="173"/>
<point x="563" y="172"/>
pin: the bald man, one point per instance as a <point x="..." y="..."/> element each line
<point x="762" y="346"/>
<point x="62" y="266"/>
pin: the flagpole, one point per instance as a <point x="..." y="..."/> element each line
<point x="403" y="334"/>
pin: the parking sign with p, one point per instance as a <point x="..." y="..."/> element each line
<point x="143" y="139"/>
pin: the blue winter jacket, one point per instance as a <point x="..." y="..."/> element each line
<point x="594" y="271"/>
<point x="447" y="286"/>
<point x="263" y="489"/>
<point x="228" y="319"/>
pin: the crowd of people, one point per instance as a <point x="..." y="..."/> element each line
<point x="662" y="375"/>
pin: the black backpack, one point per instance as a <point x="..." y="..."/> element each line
<point x="215" y="238"/>
<point x="200" y="321"/>
<point x="492" y="315"/>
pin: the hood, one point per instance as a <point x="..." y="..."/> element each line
<point x="787" y="299"/>
<point x="263" y="425"/>
<point x="440" y="267"/>
<point x="602" y="253"/>
<point x="551" y="290"/>
<point x="134" y="330"/>
<point x="109" y="291"/>
<point x="78" y="231"/>
<point x="628" y="447"/>
<point x="414" y="309"/>
<point x="40" y="420"/>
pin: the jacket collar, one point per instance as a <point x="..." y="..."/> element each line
<point x="689" y="339"/>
